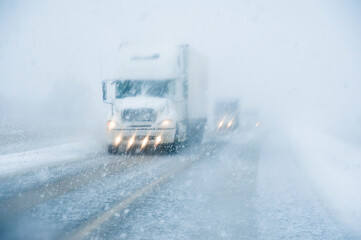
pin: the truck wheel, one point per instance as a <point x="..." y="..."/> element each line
<point x="112" y="149"/>
<point x="170" y="148"/>
<point x="173" y="148"/>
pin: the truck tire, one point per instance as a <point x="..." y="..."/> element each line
<point x="171" y="148"/>
<point x="112" y="149"/>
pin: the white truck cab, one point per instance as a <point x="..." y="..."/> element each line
<point x="157" y="99"/>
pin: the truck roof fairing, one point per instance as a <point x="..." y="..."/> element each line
<point x="139" y="79"/>
<point x="142" y="63"/>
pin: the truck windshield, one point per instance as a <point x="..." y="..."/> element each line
<point x="129" y="88"/>
<point x="226" y="107"/>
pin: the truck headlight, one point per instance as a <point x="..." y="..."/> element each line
<point x="166" y="123"/>
<point x="158" y="140"/>
<point x="111" y="125"/>
<point x="117" y="140"/>
<point x="131" y="141"/>
<point x="220" y="124"/>
<point x="229" y="124"/>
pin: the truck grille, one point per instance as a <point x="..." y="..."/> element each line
<point x="139" y="115"/>
<point x="139" y="137"/>
<point x="139" y="126"/>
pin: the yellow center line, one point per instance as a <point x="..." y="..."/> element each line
<point x="87" y="229"/>
<point x="27" y="200"/>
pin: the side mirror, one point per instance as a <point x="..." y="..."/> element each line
<point x="104" y="88"/>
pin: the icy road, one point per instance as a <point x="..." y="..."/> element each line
<point x="239" y="187"/>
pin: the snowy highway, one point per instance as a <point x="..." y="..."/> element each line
<point x="254" y="104"/>
<point x="227" y="188"/>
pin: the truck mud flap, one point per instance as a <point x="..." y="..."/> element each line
<point x="195" y="130"/>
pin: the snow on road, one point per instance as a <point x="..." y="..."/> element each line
<point x="15" y="163"/>
<point x="248" y="186"/>
<point x="242" y="191"/>
<point x="288" y="204"/>
<point x="335" y="168"/>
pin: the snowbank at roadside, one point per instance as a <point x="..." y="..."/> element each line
<point x="335" y="168"/>
<point x="18" y="162"/>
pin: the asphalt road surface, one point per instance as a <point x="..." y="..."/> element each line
<point x="235" y="187"/>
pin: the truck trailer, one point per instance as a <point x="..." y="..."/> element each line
<point x="157" y="99"/>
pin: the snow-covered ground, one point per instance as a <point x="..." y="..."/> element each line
<point x="335" y="169"/>
<point x="288" y="204"/>
<point x="250" y="185"/>
<point x="23" y="148"/>
<point x="16" y="163"/>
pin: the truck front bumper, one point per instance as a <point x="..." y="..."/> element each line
<point x="143" y="137"/>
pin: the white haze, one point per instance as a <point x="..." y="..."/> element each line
<point x="296" y="61"/>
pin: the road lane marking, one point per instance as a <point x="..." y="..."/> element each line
<point x="85" y="230"/>
<point x="49" y="166"/>
<point x="24" y="201"/>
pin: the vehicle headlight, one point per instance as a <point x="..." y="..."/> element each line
<point x="166" y="123"/>
<point x="220" y="124"/>
<point x="229" y="124"/>
<point x="111" y="125"/>
<point x="117" y="140"/>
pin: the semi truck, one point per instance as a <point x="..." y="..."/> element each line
<point x="157" y="99"/>
<point x="226" y="115"/>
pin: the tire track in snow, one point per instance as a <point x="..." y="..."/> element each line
<point x="84" y="230"/>
<point x="46" y="192"/>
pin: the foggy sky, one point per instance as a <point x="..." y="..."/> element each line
<point x="297" y="61"/>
